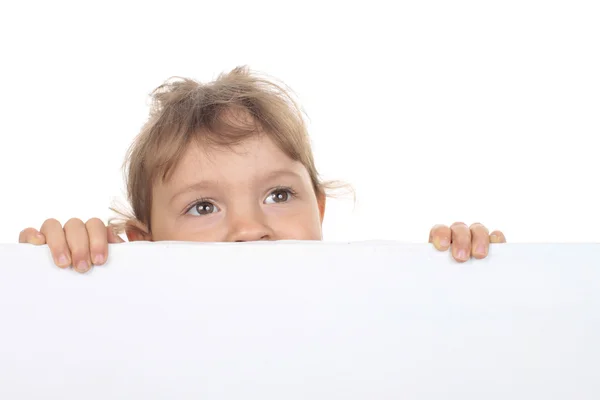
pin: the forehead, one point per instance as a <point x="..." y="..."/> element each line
<point x="249" y="160"/>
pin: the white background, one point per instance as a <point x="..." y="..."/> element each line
<point x="435" y="111"/>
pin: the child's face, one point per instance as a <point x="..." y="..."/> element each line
<point x="255" y="192"/>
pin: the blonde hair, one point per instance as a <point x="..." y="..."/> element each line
<point x="184" y="110"/>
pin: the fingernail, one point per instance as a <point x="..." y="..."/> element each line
<point x="98" y="259"/>
<point x="493" y="238"/>
<point x="83" y="266"/>
<point x="462" y="254"/>
<point x="444" y="242"/>
<point x="480" y="250"/>
<point x="63" y="261"/>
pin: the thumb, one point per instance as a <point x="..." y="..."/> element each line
<point x="112" y="236"/>
<point x="32" y="236"/>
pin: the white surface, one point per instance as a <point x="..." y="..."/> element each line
<point x="436" y="111"/>
<point x="302" y="321"/>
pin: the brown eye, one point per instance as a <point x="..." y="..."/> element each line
<point x="203" y="208"/>
<point x="279" y="196"/>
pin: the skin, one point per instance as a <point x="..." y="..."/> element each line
<point x="245" y="197"/>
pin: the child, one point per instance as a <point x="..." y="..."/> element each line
<point x="225" y="161"/>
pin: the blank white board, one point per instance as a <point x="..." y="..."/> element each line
<point x="310" y="320"/>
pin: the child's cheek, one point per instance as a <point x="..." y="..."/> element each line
<point x="194" y="228"/>
<point x="295" y="223"/>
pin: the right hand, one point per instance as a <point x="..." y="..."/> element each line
<point x="78" y="244"/>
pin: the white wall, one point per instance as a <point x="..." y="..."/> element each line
<point x="435" y="111"/>
<point x="302" y="321"/>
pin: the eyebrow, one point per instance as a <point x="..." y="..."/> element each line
<point x="211" y="184"/>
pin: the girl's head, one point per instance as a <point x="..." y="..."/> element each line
<point x="229" y="160"/>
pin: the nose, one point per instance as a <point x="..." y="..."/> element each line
<point x="248" y="227"/>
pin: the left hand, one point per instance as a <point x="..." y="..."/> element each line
<point x="467" y="241"/>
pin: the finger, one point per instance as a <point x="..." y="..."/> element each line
<point x="497" y="237"/>
<point x="440" y="236"/>
<point x="32" y="236"/>
<point x="480" y="241"/>
<point x="461" y="241"/>
<point x="79" y="244"/>
<point x="112" y="236"/>
<point x="98" y="241"/>
<point x="57" y="242"/>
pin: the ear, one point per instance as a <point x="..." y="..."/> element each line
<point x="321" y="201"/>
<point x="136" y="231"/>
